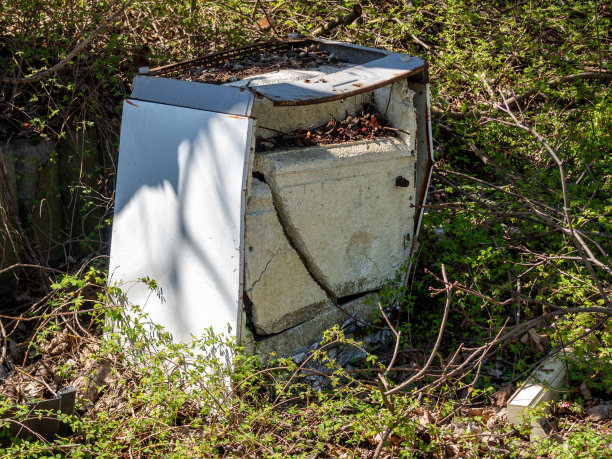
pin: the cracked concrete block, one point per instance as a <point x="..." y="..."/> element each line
<point x="301" y="337"/>
<point x="282" y="291"/>
<point x="342" y="210"/>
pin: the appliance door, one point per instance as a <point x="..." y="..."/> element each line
<point x="179" y="215"/>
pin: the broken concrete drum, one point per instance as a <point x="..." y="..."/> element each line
<point x="280" y="244"/>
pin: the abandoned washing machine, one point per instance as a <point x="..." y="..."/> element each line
<point x="274" y="187"/>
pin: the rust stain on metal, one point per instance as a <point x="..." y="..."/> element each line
<point x="130" y="102"/>
<point x="381" y="68"/>
<point x="224" y="56"/>
<point x="341" y="93"/>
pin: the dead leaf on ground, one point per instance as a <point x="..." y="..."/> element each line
<point x="426" y="419"/>
<point x="535" y="341"/>
<point x="34" y="389"/>
<point x="59" y="344"/>
<point x="502" y="415"/>
<point x="264" y="23"/>
<point x="501" y="397"/>
<point x="485" y="413"/>
<point x="96" y="375"/>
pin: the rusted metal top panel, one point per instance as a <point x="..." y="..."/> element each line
<point x="349" y="82"/>
<point x="367" y="70"/>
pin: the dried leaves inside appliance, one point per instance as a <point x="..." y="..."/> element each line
<point x="366" y="126"/>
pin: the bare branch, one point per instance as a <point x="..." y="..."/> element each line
<point x="582" y="247"/>
<point x="25" y="265"/>
<point x="341" y="20"/>
<point x="513" y="101"/>
<point x="76" y="50"/>
<point x="398" y="336"/>
<point x="449" y="290"/>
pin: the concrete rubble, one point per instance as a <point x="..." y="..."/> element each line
<point x="341" y="209"/>
<point x="326" y="222"/>
<point x="271" y="262"/>
<point x="306" y="336"/>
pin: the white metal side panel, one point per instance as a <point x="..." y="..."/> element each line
<point x="179" y="215"/>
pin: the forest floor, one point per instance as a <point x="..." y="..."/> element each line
<point x="513" y="264"/>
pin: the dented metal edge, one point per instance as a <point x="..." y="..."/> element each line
<point x="251" y="49"/>
<point x="428" y="160"/>
<point x="355" y="52"/>
<point x="200" y="96"/>
<point x="344" y="95"/>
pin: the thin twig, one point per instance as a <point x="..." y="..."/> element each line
<point x="268" y="19"/>
<point x="515" y="100"/>
<point x="583" y="248"/>
<point x="76" y="50"/>
<point x="341" y="20"/>
<point x="26" y="265"/>
<point x="398" y="336"/>
<point x="4" y="341"/>
<point x="449" y="289"/>
<point x="41" y="381"/>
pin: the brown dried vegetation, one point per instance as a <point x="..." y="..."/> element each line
<point x="516" y="242"/>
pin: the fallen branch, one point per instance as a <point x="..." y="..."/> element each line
<point x="383" y="439"/>
<point x="583" y="249"/>
<point x="76" y="50"/>
<point x="513" y="101"/>
<point x="449" y="291"/>
<point x="340" y="20"/>
<point x="478" y="354"/>
<point x="25" y="265"/>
